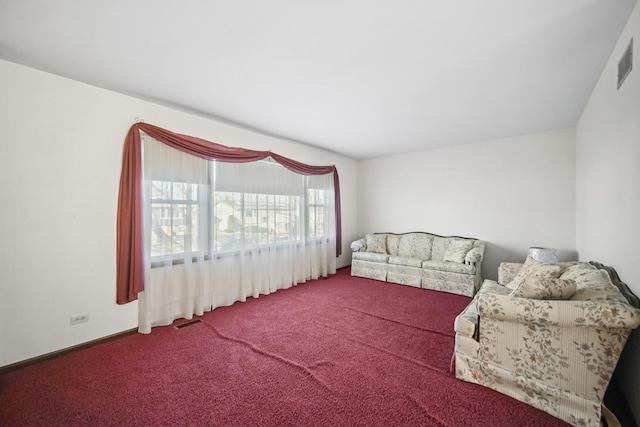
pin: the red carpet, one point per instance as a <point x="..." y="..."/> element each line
<point x="341" y="351"/>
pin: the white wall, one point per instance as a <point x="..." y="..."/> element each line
<point x="60" y="157"/>
<point x="513" y="193"/>
<point x="608" y="186"/>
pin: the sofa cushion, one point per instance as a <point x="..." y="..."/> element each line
<point x="533" y="268"/>
<point x="593" y="284"/>
<point x="586" y="275"/>
<point x="410" y="262"/>
<point x="393" y="241"/>
<point x="370" y="256"/>
<point x="507" y="271"/>
<point x="415" y="245"/>
<point x="578" y="271"/>
<point x="453" y="267"/>
<point x="377" y="243"/>
<point x="541" y="288"/>
<point x="457" y="250"/>
<point x="440" y="245"/>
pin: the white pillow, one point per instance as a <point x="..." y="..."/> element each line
<point x="533" y="268"/>
<point x="377" y="243"/>
<point x="541" y="288"/>
<point x="457" y="250"/>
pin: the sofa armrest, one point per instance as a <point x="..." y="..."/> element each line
<point x="507" y="271"/>
<point x="562" y="313"/>
<point x="475" y="254"/>
<point x="359" y="245"/>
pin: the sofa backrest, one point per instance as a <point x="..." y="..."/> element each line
<point x="425" y="246"/>
<point x="592" y="284"/>
<point x="393" y="244"/>
<point x="415" y="245"/>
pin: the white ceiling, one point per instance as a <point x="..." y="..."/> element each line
<point x="364" y="78"/>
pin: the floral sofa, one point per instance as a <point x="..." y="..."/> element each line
<point x="547" y="335"/>
<point x="424" y="260"/>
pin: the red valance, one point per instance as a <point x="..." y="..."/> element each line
<point x="130" y="230"/>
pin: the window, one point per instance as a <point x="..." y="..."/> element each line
<point x="200" y="208"/>
<point x="167" y="188"/>
<point x="174" y="218"/>
<point x="252" y="219"/>
<point x="317" y="200"/>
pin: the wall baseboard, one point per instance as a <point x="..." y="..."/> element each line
<point x="58" y="353"/>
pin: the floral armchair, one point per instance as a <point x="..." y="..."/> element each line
<point x="549" y="336"/>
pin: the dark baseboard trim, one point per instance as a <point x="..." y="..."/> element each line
<point x="54" y="354"/>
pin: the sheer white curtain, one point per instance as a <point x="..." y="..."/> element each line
<point x="217" y="233"/>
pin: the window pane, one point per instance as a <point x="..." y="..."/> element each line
<point x="316" y="212"/>
<point x="227" y="220"/>
<point x="174" y="224"/>
<point x="160" y="229"/>
<point x="238" y="220"/>
<point x="160" y="190"/>
<point x="184" y="191"/>
<point x="244" y="220"/>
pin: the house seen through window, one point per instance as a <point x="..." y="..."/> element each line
<point x="226" y="212"/>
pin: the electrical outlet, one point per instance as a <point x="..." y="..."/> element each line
<point x="74" y="320"/>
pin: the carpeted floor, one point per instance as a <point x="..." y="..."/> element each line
<point x="341" y="351"/>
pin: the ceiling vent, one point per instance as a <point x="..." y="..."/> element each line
<point x="625" y="64"/>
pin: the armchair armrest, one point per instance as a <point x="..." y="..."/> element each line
<point x="475" y="254"/>
<point x="507" y="271"/>
<point x="359" y="245"/>
<point x="562" y="313"/>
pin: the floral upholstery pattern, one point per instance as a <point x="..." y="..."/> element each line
<point x="591" y="284"/>
<point x="377" y="243"/>
<point x="408" y="259"/>
<point x="404" y="275"/>
<point x="357" y="245"/>
<point x="533" y="268"/>
<point x="457" y="250"/>
<point x="586" y="274"/>
<point x="541" y="288"/>
<point x="507" y="271"/>
<point x="415" y="245"/>
<point x="393" y="244"/>
<point x="370" y="256"/>
<point x="467" y="321"/>
<point x="440" y="245"/>
<point x="556" y="355"/>
<point x="411" y="262"/>
<point x="454" y="267"/>
<point x="474" y="255"/>
<point x="457" y="283"/>
<point x="372" y="270"/>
